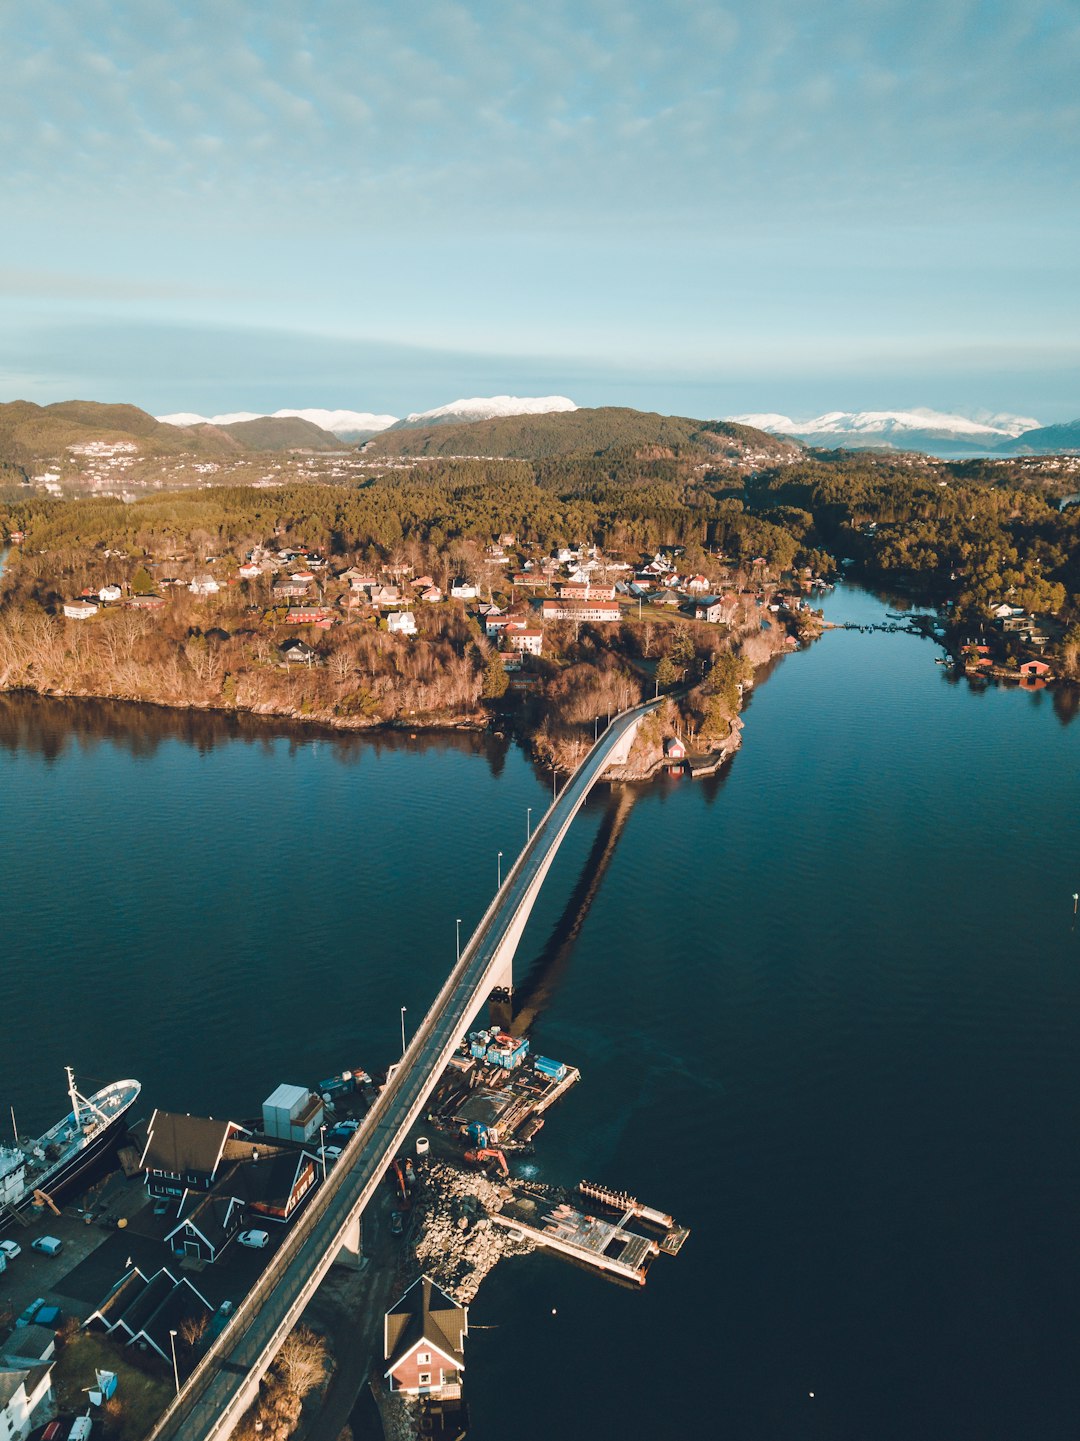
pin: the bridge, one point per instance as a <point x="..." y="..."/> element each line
<point x="226" y="1380"/>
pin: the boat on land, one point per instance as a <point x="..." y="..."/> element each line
<point x="45" y="1171"/>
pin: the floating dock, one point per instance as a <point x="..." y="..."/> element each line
<point x="545" y="1217"/>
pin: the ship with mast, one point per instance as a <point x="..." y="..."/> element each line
<point x="49" y="1169"/>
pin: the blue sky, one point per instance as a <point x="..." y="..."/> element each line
<point x="710" y="209"/>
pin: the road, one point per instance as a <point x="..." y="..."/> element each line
<point x="221" y="1387"/>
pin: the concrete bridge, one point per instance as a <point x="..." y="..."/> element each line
<point x="226" y="1380"/>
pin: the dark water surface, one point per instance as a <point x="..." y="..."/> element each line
<point x="825" y="1008"/>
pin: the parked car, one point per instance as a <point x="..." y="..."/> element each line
<point x="30" y="1312"/>
<point x="54" y="1431"/>
<point x="47" y="1245"/>
<point x="255" y="1239"/>
<point x="397" y="1225"/>
<point x="331" y="1153"/>
<point x="10" y="1249"/>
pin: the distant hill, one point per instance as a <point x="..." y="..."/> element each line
<point x="582" y="432"/>
<point x="270" y="432"/>
<point x="31" y="434"/>
<point x="1045" y="440"/>
<point x="345" y="424"/>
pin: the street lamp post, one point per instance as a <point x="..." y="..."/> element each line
<point x="499" y="871"/>
<point x="458" y="923"/>
<point x="528" y="823"/>
<point x="403" y="1030"/>
<point x="322" y="1148"/>
<point x="175" y="1372"/>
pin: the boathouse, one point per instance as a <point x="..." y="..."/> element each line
<point x="184" y="1153"/>
<point x="424" y="1336"/>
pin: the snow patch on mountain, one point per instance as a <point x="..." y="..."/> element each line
<point x="889" y="424"/>
<point x="343" y="423"/>
<point x="489" y="408"/>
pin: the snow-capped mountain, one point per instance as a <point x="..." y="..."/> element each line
<point x="931" y="430"/>
<point x="486" y="408"/>
<point x="348" y="424"/>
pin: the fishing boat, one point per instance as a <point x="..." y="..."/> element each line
<point x="49" y="1169"/>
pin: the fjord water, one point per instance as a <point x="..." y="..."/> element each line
<point x="825" y="1009"/>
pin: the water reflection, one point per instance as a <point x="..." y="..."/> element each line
<point x="48" y="726"/>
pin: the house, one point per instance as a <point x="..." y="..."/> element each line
<point x="249" y="570"/>
<point x="464" y="590"/>
<point x="385" y="595"/>
<point x="697" y="584"/>
<point x="183" y="1153"/>
<point x="275" y="1178"/>
<point x="1035" y="670"/>
<point x="208" y="1227"/>
<point x="528" y="640"/>
<point x="204" y="585"/>
<point x="674" y="749"/>
<point x="80" y="609"/>
<point x="432" y="595"/>
<point x="28" y="1346"/>
<point x="299" y="652"/>
<point x="591" y="610"/>
<point x="422" y="582"/>
<point x="423" y="1340"/>
<point x="25" y="1392"/>
<point x="667" y="596"/>
<point x="141" y="1310"/>
<point x="716" y="609"/>
<point x="494" y="625"/>
<point x="307" y="614"/>
<point x="401" y="622"/>
<point x="287" y="587"/>
<point x="109" y="594"/>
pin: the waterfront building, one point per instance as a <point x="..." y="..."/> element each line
<point x="424" y="1337"/>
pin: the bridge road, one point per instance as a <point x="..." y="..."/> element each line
<point x="225" y="1381"/>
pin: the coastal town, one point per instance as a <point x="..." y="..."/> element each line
<point x="120" y="1272"/>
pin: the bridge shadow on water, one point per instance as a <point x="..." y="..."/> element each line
<point x="543" y="977"/>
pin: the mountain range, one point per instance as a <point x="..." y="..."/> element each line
<point x="358" y="425"/>
<point x="934" y="431"/>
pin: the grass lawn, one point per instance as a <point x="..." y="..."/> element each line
<point x="143" y="1394"/>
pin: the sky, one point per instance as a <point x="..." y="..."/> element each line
<point x="699" y="208"/>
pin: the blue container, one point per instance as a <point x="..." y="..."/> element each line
<point x="553" y="1070"/>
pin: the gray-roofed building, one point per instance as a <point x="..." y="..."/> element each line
<point x="210" y="1225"/>
<point x="131" y="1284"/>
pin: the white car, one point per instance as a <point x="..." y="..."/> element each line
<point x="255" y="1239"/>
<point x="10" y="1249"/>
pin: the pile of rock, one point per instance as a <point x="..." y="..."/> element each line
<point x="453" y="1240"/>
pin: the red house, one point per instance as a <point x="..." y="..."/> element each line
<point x="424" y="1335"/>
<point x="1035" y="670"/>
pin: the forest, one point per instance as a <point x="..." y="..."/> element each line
<point x="967" y="534"/>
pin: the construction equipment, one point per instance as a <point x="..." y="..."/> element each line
<point x="41" y="1198"/>
<point x="396" y="1176"/>
<point x="488" y="1153"/>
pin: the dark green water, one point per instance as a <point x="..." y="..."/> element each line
<point x="825" y="1009"/>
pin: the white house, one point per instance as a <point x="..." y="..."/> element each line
<point x="204" y="585"/>
<point x="110" y="593"/>
<point x="464" y="590"/>
<point x="525" y="639"/>
<point x="401" y="622"/>
<point x="24" y="1392"/>
<point x="80" y="609"/>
